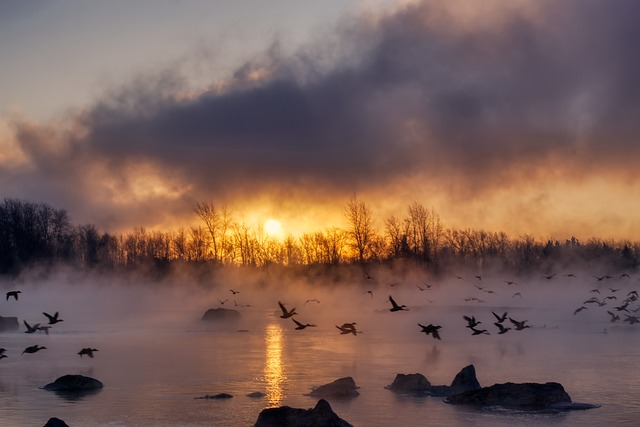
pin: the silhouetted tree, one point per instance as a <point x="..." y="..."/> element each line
<point x="360" y="230"/>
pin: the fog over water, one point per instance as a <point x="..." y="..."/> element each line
<point x="156" y="355"/>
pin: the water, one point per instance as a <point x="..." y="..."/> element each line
<point x="155" y="360"/>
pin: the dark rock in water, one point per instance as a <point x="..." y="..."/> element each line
<point x="216" y="396"/>
<point x="74" y="383"/>
<point x="410" y="383"/>
<point x="55" y="422"/>
<point x="9" y="324"/>
<point x="530" y="395"/>
<point x="221" y="314"/>
<point x="320" y="416"/>
<point x="342" y="387"/>
<point x="418" y="384"/>
<point x="256" y="394"/>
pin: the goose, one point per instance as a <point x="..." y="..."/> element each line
<point x="45" y="329"/>
<point x="286" y="313"/>
<point x="33" y="349"/>
<point x="347" y="328"/>
<point x="396" y="307"/>
<point x="472" y="322"/>
<point x="520" y="325"/>
<point x="301" y="326"/>
<point x="479" y="331"/>
<point x="31" y="329"/>
<point x="13" y="294"/>
<point x="500" y="318"/>
<point x="503" y="329"/>
<point x="53" y="319"/>
<point x="614" y="317"/>
<point x="431" y="329"/>
<point x="88" y="351"/>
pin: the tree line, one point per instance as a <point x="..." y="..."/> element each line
<point x="35" y="234"/>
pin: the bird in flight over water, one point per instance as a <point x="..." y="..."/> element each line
<point x="88" y="351"/>
<point x="395" y="306"/>
<point x="53" y="319"/>
<point x="286" y="313"/>
<point x="13" y="294"/>
<point x="301" y="326"/>
<point x="431" y="329"/>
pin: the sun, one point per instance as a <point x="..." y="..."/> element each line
<point x="273" y="227"/>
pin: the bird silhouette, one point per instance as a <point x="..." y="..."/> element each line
<point x="479" y="331"/>
<point x="33" y="349"/>
<point x="233" y="291"/>
<point x="579" y="309"/>
<point x="370" y="293"/>
<point x="431" y="329"/>
<point x="286" y="313"/>
<point x="222" y="301"/>
<point x="631" y="319"/>
<point x="31" y="329"/>
<point x="88" y="351"/>
<point x="395" y="306"/>
<point x="503" y="329"/>
<point x="472" y="322"/>
<point x="614" y="317"/>
<point x="519" y="325"/>
<point x="517" y="294"/>
<point x="44" y="329"/>
<point x="301" y="326"/>
<point x="13" y="294"/>
<point x="312" y="300"/>
<point x="53" y="319"/>
<point x="500" y="318"/>
<point x="348" y="328"/>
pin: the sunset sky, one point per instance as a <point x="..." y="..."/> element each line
<point x="515" y="116"/>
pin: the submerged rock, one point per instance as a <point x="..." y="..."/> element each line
<point x="216" y="396"/>
<point x="320" y="416"/>
<point x="530" y="395"/>
<point x="9" y="324"/>
<point x="221" y="314"/>
<point x="419" y="384"/>
<point x="340" y="388"/>
<point x="74" y="383"/>
<point x="256" y="394"/>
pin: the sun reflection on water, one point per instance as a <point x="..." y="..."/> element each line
<point x="273" y="365"/>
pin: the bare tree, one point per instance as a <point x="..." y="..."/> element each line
<point x="360" y="229"/>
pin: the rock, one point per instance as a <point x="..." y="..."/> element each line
<point x="530" y="395"/>
<point x="410" y="383"/>
<point x="216" y="396"/>
<point x="340" y="388"/>
<point x="418" y="384"/>
<point x="320" y="416"/>
<point x="55" y="422"/>
<point x="256" y="394"/>
<point x="9" y="324"/>
<point x="221" y="314"/>
<point x="74" y="383"/>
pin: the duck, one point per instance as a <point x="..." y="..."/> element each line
<point x="88" y="351"/>
<point x="503" y="329"/>
<point x="348" y="328"/>
<point x="13" y="294"/>
<point x="31" y="329"/>
<point x="33" y="349"/>
<point x="53" y="319"/>
<point x="500" y="318"/>
<point x="431" y="329"/>
<point x="396" y="307"/>
<point x="301" y="326"/>
<point x="286" y="313"/>
<point x="519" y="325"/>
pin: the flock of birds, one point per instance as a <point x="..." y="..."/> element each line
<point x="503" y="322"/>
<point x="52" y="319"/>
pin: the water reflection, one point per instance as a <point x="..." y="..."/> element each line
<point x="273" y="365"/>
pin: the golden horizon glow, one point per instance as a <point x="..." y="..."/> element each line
<point x="273" y="366"/>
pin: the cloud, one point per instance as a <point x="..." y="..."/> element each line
<point x="472" y="97"/>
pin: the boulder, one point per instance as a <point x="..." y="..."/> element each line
<point x="529" y="395"/>
<point x="55" y="422"/>
<point x="340" y="388"/>
<point x="256" y="394"/>
<point x="9" y="324"/>
<point x="74" y="383"/>
<point x="419" y="384"/>
<point x="410" y="383"/>
<point x="221" y="314"/>
<point x="320" y="416"/>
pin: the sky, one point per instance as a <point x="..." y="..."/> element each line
<point x="517" y="116"/>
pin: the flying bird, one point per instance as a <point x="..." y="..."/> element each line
<point x="370" y="293"/>
<point x="312" y="300"/>
<point x="431" y="329"/>
<point x="479" y="331"/>
<point x="614" y="317"/>
<point x="286" y="313"/>
<point x="31" y="329"/>
<point x="500" y="318"/>
<point x="517" y="294"/>
<point x="33" y="349"/>
<point x="44" y="329"/>
<point x="578" y="310"/>
<point x="348" y="328"/>
<point x="88" y="351"/>
<point x="13" y="294"/>
<point x="53" y="319"/>
<point x="472" y="322"/>
<point x="519" y="325"/>
<point x="301" y="326"/>
<point x="222" y="302"/>
<point x="233" y="291"/>
<point x="503" y="329"/>
<point x="396" y="307"/>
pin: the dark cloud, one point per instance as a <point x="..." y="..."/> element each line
<point x="502" y="96"/>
